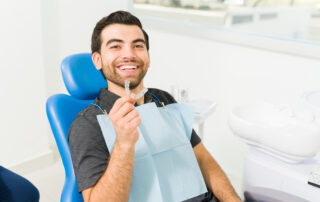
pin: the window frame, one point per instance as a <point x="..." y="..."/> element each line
<point x="295" y="47"/>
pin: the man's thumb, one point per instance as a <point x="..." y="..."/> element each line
<point x="133" y="98"/>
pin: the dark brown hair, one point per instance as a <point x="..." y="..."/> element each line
<point x="118" y="17"/>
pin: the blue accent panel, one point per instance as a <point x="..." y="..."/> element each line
<point x="81" y="78"/>
<point x="61" y="111"/>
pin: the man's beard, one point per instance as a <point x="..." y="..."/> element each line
<point x="110" y="73"/>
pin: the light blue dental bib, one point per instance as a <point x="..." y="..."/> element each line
<point x="165" y="167"/>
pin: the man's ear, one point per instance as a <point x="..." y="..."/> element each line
<point x="96" y="58"/>
<point x="149" y="58"/>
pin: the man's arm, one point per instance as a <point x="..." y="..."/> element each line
<point x="114" y="185"/>
<point x="214" y="177"/>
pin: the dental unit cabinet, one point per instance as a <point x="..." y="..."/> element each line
<point x="280" y="158"/>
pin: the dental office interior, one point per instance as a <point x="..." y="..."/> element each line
<point x="250" y="69"/>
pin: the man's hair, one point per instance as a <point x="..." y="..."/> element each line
<point x="118" y="17"/>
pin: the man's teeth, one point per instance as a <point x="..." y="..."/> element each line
<point x="128" y="67"/>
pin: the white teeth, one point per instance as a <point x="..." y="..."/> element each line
<point x="128" y="67"/>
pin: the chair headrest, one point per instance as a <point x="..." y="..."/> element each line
<point x="81" y="78"/>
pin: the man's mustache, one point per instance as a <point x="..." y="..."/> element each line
<point x="133" y="60"/>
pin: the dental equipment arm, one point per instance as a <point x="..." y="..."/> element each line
<point x="215" y="179"/>
<point x="114" y="185"/>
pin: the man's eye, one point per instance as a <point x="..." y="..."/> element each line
<point x="139" y="46"/>
<point x="115" y="47"/>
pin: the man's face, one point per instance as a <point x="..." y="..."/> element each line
<point x="123" y="54"/>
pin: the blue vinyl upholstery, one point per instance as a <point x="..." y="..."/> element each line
<point x="83" y="82"/>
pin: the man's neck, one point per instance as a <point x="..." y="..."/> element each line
<point x="118" y="90"/>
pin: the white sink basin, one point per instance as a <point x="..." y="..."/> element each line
<point x="313" y="100"/>
<point x="276" y="130"/>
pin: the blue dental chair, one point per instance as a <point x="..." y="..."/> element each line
<point x="83" y="83"/>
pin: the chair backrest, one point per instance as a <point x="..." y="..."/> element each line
<point x="83" y="82"/>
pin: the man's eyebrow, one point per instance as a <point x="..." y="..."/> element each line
<point x="139" y="40"/>
<point x="114" y="40"/>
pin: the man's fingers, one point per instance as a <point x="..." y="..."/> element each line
<point x="132" y="98"/>
<point x="123" y="111"/>
<point x="135" y="122"/>
<point x="131" y="115"/>
<point x="130" y="125"/>
<point x="118" y="104"/>
<point x="121" y="101"/>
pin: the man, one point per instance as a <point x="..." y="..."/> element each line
<point x="120" y="49"/>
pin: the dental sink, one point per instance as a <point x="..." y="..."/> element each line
<point x="312" y="100"/>
<point x="276" y="130"/>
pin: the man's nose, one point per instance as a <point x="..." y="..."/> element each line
<point x="128" y="53"/>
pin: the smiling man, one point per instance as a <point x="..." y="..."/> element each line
<point x="120" y="49"/>
<point x="123" y="55"/>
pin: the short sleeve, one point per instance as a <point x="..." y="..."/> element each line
<point x="88" y="151"/>
<point x="195" y="139"/>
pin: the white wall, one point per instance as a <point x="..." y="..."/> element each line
<point x="22" y="131"/>
<point x="67" y="29"/>
<point x="230" y="75"/>
<point x="35" y="35"/>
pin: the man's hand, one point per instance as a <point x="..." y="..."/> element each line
<point x="125" y="119"/>
<point x="114" y="184"/>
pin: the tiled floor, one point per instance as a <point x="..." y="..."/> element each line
<point x="50" y="180"/>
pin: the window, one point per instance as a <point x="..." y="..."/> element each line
<point x="290" y="19"/>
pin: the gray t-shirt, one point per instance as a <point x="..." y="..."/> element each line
<point x="89" y="152"/>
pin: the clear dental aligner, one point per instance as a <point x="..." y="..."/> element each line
<point x="141" y="93"/>
<point x="127" y="89"/>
